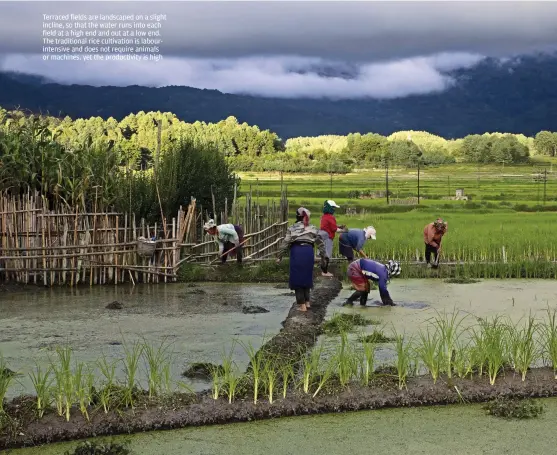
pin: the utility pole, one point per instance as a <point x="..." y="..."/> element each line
<point x="544" y="184"/>
<point x="418" y="181"/>
<point x="387" y="179"/>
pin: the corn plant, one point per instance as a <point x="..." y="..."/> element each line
<point x="42" y="382"/>
<point x="548" y="331"/>
<point x="429" y="351"/>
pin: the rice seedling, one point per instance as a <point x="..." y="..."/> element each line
<point x="217" y="375"/>
<point x="270" y="374"/>
<point x="231" y="375"/>
<point x="346" y="361"/>
<point x="449" y="327"/>
<point x="131" y="367"/>
<point x="522" y="346"/>
<point x="548" y="329"/>
<point x="343" y="322"/>
<point x="286" y="375"/>
<point x="493" y="339"/>
<point x="404" y="359"/>
<point x="377" y="336"/>
<point x="325" y="374"/>
<point x="310" y="367"/>
<point x="367" y="362"/>
<point x="64" y="381"/>
<point x="108" y="390"/>
<point x="42" y="381"/>
<point x="255" y="359"/>
<point x="157" y="360"/>
<point x="429" y="351"/>
<point x="83" y="381"/>
<point x="463" y="360"/>
<point x="5" y="381"/>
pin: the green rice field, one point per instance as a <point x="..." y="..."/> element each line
<point x="504" y="229"/>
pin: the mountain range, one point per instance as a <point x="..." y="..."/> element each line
<point x="517" y="96"/>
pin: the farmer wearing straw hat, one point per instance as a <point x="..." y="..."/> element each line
<point x="230" y="238"/>
<point x="329" y="228"/>
<point x="363" y="270"/>
<point x="353" y="240"/>
<point x="300" y="239"/>
<point x="433" y="234"/>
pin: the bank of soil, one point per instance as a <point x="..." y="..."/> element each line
<point x="184" y="411"/>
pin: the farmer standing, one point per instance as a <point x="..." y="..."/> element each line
<point x="433" y="234"/>
<point x="353" y="240"/>
<point x="363" y="270"/>
<point x="230" y="238"/>
<point x="329" y="228"/>
<point x="300" y="239"/>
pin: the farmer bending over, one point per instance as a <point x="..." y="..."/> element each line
<point x="329" y="228"/>
<point x="363" y="270"/>
<point x="433" y="234"/>
<point x="300" y="239"/>
<point x="353" y="240"/>
<point x="230" y="238"/>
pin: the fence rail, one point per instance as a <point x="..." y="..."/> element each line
<point x="70" y="247"/>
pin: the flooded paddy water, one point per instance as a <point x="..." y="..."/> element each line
<point x="419" y="300"/>
<point x="197" y="320"/>
<point x="412" y="431"/>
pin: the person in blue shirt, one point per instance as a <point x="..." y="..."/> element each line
<point x="363" y="270"/>
<point x="353" y="240"/>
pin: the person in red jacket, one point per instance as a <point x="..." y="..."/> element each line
<point x="329" y="228"/>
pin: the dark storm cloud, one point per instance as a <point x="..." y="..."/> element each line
<point x="272" y="48"/>
<point x="363" y="31"/>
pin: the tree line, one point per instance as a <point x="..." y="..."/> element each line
<point x="130" y="146"/>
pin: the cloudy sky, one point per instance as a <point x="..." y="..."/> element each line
<point x="294" y="49"/>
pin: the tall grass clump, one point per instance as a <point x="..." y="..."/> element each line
<point x="346" y="360"/>
<point x="64" y="381"/>
<point x="108" y="392"/>
<point x="366" y="362"/>
<point x="255" y="359"/>
<point x="230" y="373"/>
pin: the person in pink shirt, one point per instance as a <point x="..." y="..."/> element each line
<point x="433" y="234"/>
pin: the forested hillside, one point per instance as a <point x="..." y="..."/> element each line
<point x="493" y="96"/>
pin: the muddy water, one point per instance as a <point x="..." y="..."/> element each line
<point x="197" y="321"/>
<point x="448" y="429"/>
<point x="418" y="300"/>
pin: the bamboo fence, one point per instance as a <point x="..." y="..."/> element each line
<point x="71" y="247"/>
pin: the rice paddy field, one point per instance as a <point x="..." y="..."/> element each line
<point x="504" y="229"/>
